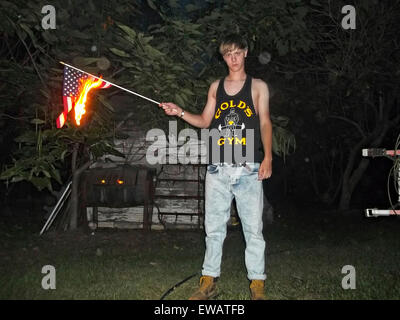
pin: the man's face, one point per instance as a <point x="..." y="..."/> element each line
<point x="234" y="58"/>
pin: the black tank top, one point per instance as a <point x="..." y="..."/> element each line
<point x="235" y="128"/>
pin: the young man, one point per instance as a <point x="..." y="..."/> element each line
<point x="238" y="107"/>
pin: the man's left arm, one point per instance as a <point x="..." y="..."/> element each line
<point x="265" y="170"/>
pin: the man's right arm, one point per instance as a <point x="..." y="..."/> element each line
<point x="202" y="120"/>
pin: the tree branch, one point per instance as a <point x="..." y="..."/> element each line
<point x="353" y="123"/>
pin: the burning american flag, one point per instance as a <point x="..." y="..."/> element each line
<point x="76" y="86"/>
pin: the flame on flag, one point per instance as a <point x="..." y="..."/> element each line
<point x="76" y="86"/>
<point x="80" y="105"/>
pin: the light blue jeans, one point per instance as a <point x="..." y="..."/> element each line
<point x="223" y="183"/>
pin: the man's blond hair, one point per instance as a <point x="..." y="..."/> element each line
<point x="232" y="42"/>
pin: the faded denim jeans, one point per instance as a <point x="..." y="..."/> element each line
<point x="223" y="183"/>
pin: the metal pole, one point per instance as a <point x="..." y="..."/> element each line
<point x="57" y="207"/>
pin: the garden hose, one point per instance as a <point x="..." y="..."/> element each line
<point x="177" y="285"/>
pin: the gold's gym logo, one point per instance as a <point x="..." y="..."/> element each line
<point x="241" y="105"/>
<point x="235" y="140"/>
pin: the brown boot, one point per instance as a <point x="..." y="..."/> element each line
<point x="207" y="289"/>
<point x="257" y="290"/>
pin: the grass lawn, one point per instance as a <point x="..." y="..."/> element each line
<point x="306" y="251"/>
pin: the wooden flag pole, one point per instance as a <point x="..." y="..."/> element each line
<point x="115" y="85"/>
